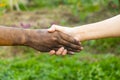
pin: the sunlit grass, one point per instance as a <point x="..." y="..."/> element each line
<point x="46" y="67"/>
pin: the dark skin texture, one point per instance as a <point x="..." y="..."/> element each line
<point x="44" y="41"/>
<point x="39" y="39"/>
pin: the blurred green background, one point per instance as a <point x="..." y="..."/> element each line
<point x="98" y="61"/>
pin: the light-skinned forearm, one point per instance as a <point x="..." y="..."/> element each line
<point x="104" y="29"/>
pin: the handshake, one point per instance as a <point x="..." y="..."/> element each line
<point x="53" y="41"/>
<point x="60" y="40"/>
<point x="64" y="40"/>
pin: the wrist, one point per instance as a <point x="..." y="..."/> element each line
<point x="19" y="36"/>
<point x="27" y="35"/>
<point x="80" y="33"/>
<point x="73" y="32"/>
<point x="32" y="34"/>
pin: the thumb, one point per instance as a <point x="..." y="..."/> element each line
<point x="56" y="28"/>
<point x="52" y="29"/>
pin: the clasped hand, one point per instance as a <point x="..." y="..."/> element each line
<point x="56" y="42"/>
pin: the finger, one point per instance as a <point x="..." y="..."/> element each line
<point x="41" y="48"/>
<point x="51" y="29"/>
<point x="68" y="48"/>
<point x="60" y="51"/>
<point x="73" y="50"/>
<point x="71" y="53"/>
<point x="57" y="28"/>
<point x="82" y="48"/>
<point x="64" y="52"/>
<point x="68" y="38"/>
<point x="52" y="52"/>
<point x="69" y="45"/>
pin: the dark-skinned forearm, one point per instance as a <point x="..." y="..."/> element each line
<point x="12" y="36"/>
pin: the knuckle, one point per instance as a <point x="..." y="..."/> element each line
<point x="54" y="38"/>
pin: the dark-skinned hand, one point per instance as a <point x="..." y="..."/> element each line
<point x="44" y="41"/>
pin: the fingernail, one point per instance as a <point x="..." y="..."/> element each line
<point x="76" y="38"/>
<point x="52" y="52"/>
<point x="71" y="53"/>
<point x="82" y="48"/>
<point x="62" y="47"/>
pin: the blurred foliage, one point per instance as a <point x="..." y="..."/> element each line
<point x="110" y="45"/>
<point x="80" y="8"/>
<point x="45" y="67"/>
<point x="14" y="4"/>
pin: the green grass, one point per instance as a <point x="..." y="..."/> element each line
<point x="82" y="66"/>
